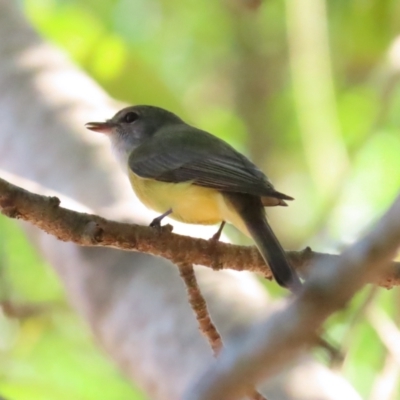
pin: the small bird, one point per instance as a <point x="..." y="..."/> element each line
<point x="195" y="177"/>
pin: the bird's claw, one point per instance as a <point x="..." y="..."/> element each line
<point x="156" y="223"/>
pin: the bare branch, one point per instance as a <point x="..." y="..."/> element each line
<point x="91" y="230"/>
<point x="281" y="338"/>
<point x="199" y="307"/>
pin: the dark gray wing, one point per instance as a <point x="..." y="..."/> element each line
<point x="181" y="153"/>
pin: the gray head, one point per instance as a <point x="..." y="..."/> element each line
<point x="132" y="126"/>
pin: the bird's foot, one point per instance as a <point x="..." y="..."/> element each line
<point x="216" y="265"/>
<point x="156" y="223"/>
<point x="215" y="238"/>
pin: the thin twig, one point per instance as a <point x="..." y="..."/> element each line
<point x="199" y="307"/>
<point x="23" y="311"/>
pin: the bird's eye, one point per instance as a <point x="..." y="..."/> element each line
<point x="131" y="117"/>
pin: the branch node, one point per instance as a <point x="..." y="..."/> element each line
<point x="54" y="201"/>
<point x="11" y="212"/>
<point x="93" y="232"/>
<point x="307" y="251"/>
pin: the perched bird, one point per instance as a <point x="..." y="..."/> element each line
<point x="195" y="177"/>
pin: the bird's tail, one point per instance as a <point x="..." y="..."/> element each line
<point x="253" y="215"/>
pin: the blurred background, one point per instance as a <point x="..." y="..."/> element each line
<point x="307" y="89"/>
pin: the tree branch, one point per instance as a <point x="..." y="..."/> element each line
<point x="199" y="307"/>
<point x="91" y="230"/>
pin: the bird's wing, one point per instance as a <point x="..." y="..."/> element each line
<point x="181" y="153"/>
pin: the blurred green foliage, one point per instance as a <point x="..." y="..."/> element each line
<point x="46" y="350"/>
<point x="308" y="89"/>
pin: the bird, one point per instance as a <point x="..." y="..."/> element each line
<point x="195" y="177"/>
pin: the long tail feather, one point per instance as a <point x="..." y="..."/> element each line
<point x="252" y="213"/>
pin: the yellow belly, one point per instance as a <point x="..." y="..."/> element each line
<point x="189" y="203"/>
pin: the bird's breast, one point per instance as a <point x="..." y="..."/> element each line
<point x="189" y="203"/>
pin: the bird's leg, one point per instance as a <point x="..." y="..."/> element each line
<point x="156" y="223"/>
<point x="215" y="238"/>
<point x="213" y="248"/>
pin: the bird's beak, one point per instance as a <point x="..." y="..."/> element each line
<point x="102" y="127"/>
